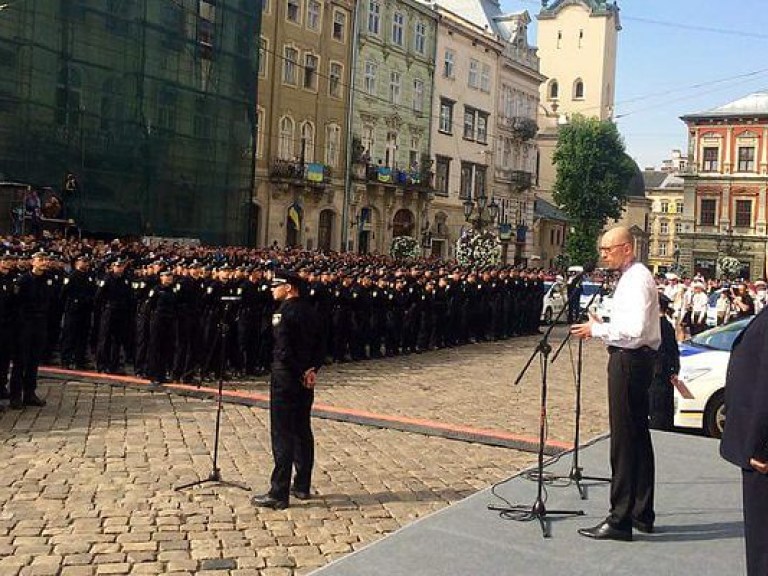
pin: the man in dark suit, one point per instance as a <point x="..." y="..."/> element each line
<point x="745" y="437"/>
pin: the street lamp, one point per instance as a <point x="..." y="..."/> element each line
<point x="479" y="212"/>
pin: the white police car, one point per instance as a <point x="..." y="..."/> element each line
<point x="700" y="393"/>
<point x="555" y="299"/>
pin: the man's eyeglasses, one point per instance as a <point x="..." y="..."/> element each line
<point x="610" y="248"/>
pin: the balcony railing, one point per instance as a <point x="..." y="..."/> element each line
<point x="522" y="127"/>
<point x="519" y="179"/>
<point x="409" y="180"/>
<point x="312" y="173"/>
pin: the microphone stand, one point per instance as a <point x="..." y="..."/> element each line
<point x="215" y="475"/>
<point x="539" y="510"/>
<point x="575" y="474"/>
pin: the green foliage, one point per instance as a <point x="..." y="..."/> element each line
<point x="593" y="175"/>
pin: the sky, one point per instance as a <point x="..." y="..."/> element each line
<point x="679" y="57"/>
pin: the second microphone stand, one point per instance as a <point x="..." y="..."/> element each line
<point x="576" y="475"/>
<point x="539" y="510"/>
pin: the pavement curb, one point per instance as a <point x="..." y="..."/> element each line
<point x="461" y="433"/>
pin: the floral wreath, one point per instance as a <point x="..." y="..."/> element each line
<point x="404" y="247"/>
<point x="475" y="248"/>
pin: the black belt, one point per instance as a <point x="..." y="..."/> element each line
<point x="641" y="350"/>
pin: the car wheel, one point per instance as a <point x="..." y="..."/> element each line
<point x="714" y="415"/>
<point x="548" y="316"/>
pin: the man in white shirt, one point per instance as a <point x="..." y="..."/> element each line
<point x="699" y="305"/>
<point x="633" y="336"/>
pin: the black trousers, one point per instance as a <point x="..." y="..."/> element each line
<point x="755" y="494"/>
<point x="74" y="339"/>
<point x="632" y="462"/>
<point x="7" y="350"/>
<point x="33" y="337"/>
<point x="293" y="444"/>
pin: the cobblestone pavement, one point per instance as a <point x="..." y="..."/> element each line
<point x="87" y="482"/>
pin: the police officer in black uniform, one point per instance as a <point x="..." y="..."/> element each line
<point x="35" y="292"/>
<point x="77" y="295"/>
<point x="298" y="355"/>
<point x="163" y="306"/>
<point x="114" y="300"/>
<point x="8" y="309"/>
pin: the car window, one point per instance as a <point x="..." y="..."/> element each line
<point x="722" y="337"/>
<point x="588" y="288"/>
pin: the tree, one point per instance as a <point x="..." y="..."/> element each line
<point x="593" y="174"/>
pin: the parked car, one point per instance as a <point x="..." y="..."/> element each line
<point x="700" y="395"/>
<point x="554" y="300"/>
<point x="588" y="290"/>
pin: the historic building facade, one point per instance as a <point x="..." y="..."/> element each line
<point x="665" y="191"/>
<point x="725" y="199"/>
<point x="390" y="188"/>
<point x="484" y="107"/>
<point x="577" y="41"/>
<point x="147" y="105"/>
<point x="304" y="94"/>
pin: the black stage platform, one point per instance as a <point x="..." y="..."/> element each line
<point x="699" y="526"/>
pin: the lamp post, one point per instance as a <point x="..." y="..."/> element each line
<point x="479" y="213"/>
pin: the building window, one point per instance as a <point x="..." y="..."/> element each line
<point x="465" y="188"/>
<point x="307" y="142"/>
<point x="710" y="159"/>
<point x="554" y="90"/>
<point x="708" y="211"/>
<point x="744" y="213"/>
<point x="314" y="9"/>
<point x="367" y="139"/>
<point x="482" y="128"/>
<point x="394" y="87"/>
<point x="420" y="38"/>
<point x="578" y="90"/>
<point x="332" y="140"/>
<point x="664" y="207"/>
<point x="418" y="95"/>
<point x="334" y="79"/>
<point x="485" y="78"/>
<point x="339" y="25"/>
<point x="469" y="123"/>
<point x="285" y="143"/>
<point x="479" y="180"/>
<point x="449" y="64"/>
<point x="664" y="228"/>
<point x="474" y="74"/>
<point x="370" y="78"/>
<point x="166" y="109"/>
<point x="293" y="11"/>
<point x="390" y="158"/>
<point x="398" y="20"/>
<point x="446" y="116"/>
<point x="374" y="17"/>
<point x="311" y="63"/>
<point x="290" y="65"/>
<point x="679" y="207"/>
<point x="263" y="51"/>
<point x="413" y="154"/>
<point x="662" y="248"/>
<point x="746" y="159"/>
<point x="442" y="173"/>
<point x="260" y="128"/>
<point x="678" y="227"/>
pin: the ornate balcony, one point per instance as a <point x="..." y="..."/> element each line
<point x="419" y="181"/>
<point x="519" y="180"/>
<point x="301" y="173"/>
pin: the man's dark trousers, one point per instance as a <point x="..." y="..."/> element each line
<point x="755" y="494"/>
<point x="292" y="440"/>
<point x="632" y="462"/>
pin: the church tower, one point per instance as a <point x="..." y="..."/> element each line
<point x="577" y="41"/>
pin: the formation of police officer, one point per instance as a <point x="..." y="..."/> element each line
<point x="184" y="320"/>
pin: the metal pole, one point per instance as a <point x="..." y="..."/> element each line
<point x="350" y="109"/>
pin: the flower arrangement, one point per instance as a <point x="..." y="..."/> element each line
<point x="475" y="248"/>
<point x="404" y="247"/>
<point x="729" y="266"/>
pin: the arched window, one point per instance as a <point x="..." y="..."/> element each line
<point x="332" y="137"/>
<point x="578" y="89"/>
<point x="308" y="141"/>
<point x="325" y="230"/>
<point x="285" y="144"/>
<point x="554" y="90"/>
<point x="402" y="223"/>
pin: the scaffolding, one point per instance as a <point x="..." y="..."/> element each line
<point x="141" y="112"/>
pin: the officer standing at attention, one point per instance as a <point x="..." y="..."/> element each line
<point x="298" y="354"/>
<point x="77" y="295"/>
<point x="35" y="291"/>
<point x="7" y="320"/>
<point x="633" y="336"/>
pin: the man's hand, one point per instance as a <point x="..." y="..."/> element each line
<point x="759" y="465"/>
<point x="309" y="379"/>
<point x="583" y="331"/>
